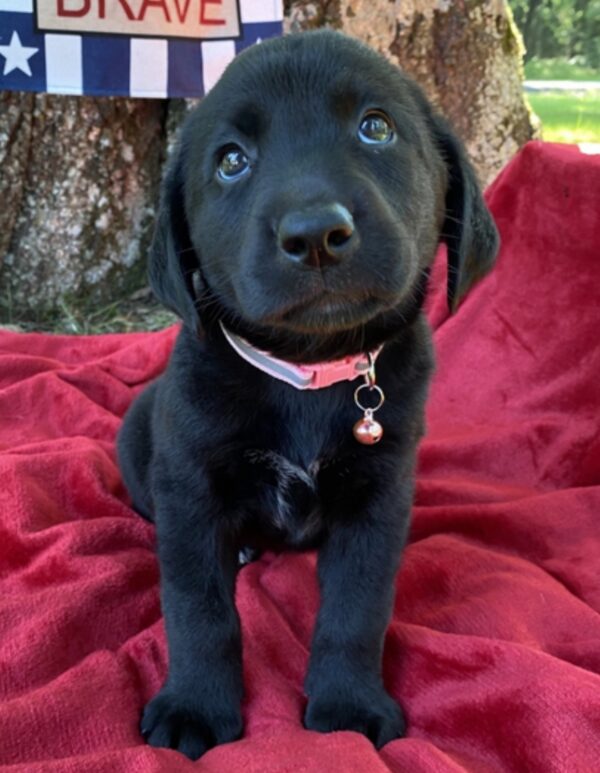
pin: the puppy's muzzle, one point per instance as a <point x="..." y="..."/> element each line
<point x="318" y="236"/>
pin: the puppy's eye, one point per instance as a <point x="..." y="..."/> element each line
<point x="233" y="164"/>
<point x="375" y="128"/>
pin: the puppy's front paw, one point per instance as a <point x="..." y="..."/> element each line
<point x="177" y="723"/>
<point x="373" y="714"/>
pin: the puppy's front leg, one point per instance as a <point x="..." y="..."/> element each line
<point x="199" y="704"/>
<point x="357" y="566"/>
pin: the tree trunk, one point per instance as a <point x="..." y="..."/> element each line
<point x="79" y="183"/>
<point x="80" y="175"/>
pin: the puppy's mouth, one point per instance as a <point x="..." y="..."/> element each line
<point x="328" y="312"/>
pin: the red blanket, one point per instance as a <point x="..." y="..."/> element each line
<point x="494" y="648"/>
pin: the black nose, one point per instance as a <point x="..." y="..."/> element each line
<point x="318" y="236"/>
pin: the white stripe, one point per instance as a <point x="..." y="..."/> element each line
<point x="253" y="11"/>
<point x="284" y="371"/>
<point x="216" y="55"/>
<point x="148" y="68"/>
<point x="17" y="6"/>
<point x="64" y="74"/>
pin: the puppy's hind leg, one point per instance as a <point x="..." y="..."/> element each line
<point x="247" y="555"/>
<point x="134" y="451"/>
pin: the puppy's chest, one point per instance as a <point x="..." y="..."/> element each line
<point x="287" y="502"/>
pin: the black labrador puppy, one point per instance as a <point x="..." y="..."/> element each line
<point x="299" y="217"/>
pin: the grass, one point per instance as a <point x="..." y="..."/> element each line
<point x="138" y="312"/>
<point x="559" y="70"/>
<point x="568" y="116"/>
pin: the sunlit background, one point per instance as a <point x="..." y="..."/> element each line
<point x="562" y="66"/>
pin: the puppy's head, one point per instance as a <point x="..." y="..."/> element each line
<point x="307" y="197"/>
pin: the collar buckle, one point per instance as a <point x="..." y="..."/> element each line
<point x="329" y="373"/>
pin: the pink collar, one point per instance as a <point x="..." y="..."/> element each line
<point x="316" y="376"/>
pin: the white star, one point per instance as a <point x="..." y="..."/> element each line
<point x="17" y="55"/>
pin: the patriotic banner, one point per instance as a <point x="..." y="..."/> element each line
<point x="133" y="48"/>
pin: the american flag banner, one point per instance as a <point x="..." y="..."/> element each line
<point x="133" y="48"/>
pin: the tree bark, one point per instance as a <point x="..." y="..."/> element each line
<point x="79" y="184"/>
<point x="80" y="175"/>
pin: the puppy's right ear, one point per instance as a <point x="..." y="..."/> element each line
<point x="469" y="229"/>
<point x="173" y="259"/>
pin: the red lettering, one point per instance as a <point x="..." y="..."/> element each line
<point x="61" y="10"/>
<point x="157" y="4"/>
<point x="203" y="19"/>
<point x="182" y="15"/>
<point x="128" y="12"/>
<point x="207" y="15"/>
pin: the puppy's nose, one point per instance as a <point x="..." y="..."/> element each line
<point x="318" y="236"/>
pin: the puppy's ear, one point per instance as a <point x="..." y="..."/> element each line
<point x="173" y="259"/>
<point x="468" y="230"/>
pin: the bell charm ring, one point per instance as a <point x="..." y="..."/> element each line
<point x="368" y="431"/>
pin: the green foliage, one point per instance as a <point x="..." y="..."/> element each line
<point x="568" y="116"/>
<point x="559" y="28"/>
<point x="590" y="44"/>
<point x="559" y="69"/>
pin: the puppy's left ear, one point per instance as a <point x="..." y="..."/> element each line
<point x="468" y="230"/>
<point x="173" y="259"/>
